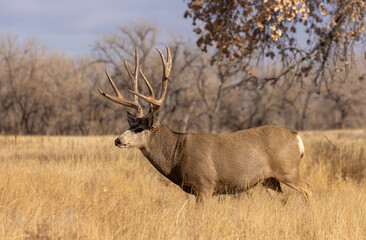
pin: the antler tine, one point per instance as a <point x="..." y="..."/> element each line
<point x="134" y="76"/>
<point x="119" y="99"/>
<point x="167" y="65"/>
<point x="151" y="90"/>
<point x="166" y="71"/>
<point x="112" y="84"/>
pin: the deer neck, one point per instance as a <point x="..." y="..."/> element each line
<point x="161" y="149"/>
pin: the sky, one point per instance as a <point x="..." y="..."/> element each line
<point x="73" y="25"/>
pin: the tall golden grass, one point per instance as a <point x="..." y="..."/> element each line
<point x="85" y="188"/>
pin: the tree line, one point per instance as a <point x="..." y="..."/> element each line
<point x="43" y="91"/>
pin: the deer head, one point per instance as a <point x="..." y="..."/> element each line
<point x="141" y="125"/>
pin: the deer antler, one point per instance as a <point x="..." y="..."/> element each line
<point x="167" y="65"/>
<point x="120" y="99"/>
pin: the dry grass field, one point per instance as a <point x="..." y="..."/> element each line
<point x="85" y="188"/>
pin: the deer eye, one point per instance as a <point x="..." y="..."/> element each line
<point x="139" y="130"/>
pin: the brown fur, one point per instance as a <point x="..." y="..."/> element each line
<point x="207" y="164"/>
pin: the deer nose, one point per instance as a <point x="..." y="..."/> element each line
<point x="117" y="142"/>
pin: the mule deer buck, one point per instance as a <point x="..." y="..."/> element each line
<point x="208" y="164"/>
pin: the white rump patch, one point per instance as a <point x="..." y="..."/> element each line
<point x="301" y="145"/>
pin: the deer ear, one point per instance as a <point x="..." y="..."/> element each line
<point x="131" y="119"/>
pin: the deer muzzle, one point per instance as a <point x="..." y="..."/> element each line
<point x="117" y="142"/>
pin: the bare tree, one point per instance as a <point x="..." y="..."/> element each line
<point x="28" y="109"/>
<point x="111" y="50"/>
<point x="47" y="92"/>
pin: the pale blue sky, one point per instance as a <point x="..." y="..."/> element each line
<point x="73" y="25"/>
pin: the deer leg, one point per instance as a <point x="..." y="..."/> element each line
<point x="274" y="189"/>
<point x="203" y="195"/>
<point x="301" y="186"/>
